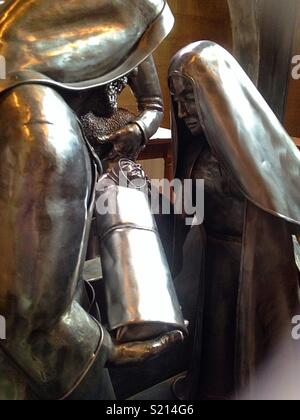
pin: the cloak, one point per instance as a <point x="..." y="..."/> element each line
<point x="253" y="147"/>
<point x="79" y="45"/>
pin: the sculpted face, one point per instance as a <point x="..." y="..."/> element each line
<point x="183" y="95"/>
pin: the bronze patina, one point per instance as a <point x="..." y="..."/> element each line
<point x="226" y="134"/>
<point x="65" y="60"/>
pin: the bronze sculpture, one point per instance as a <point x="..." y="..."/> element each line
<point x="266" y="59"/>
<point x="66" y="46"/>
<point x="225" y="133"/>
<point x="62" y="55"/>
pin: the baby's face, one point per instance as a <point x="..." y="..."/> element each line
<point x="183" y="94"/>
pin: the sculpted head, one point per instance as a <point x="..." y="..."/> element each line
<point x="183" y="95"/>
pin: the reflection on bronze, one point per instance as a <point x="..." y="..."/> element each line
<point x="60" y="57"/>
<point x="226" y="134"/>
<point x="81" y="44"/>
<point x="75" y="47"/>
<point x="133" y="353"/>
<point x="128" y="238"/>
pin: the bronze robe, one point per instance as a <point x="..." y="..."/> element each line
<point x="250" y="284"/>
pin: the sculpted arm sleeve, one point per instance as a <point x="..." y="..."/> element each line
<point x="129" y="140"/>
<point x="146" y="87"/>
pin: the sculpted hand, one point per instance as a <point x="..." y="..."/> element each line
<point x="126" y="142"/>
<point x="141" y="351"/>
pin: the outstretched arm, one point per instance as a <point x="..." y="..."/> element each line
<point x="144" y="83"/>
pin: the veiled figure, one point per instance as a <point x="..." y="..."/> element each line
<point x="226" y="134"/>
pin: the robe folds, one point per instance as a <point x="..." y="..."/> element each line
<point x="249" y="286"/>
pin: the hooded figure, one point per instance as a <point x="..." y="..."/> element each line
<point x="225" y="133"/>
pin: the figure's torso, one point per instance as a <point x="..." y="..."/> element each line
<point x="224" y="204"/>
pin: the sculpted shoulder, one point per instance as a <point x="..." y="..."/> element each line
<point x="75" y="41"/>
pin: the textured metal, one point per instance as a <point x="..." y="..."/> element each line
<point x="109" y="128"/>
<point x="97" y="128"/>
<point x="134" y="264"/>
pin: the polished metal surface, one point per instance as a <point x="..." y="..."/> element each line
<point x="46" y="199"/>
<point x="141" y="351"/>
<point x="54" y="348"/>
<point x="75" y="46"/>
<point x="142" y="302"/>
<point x="146" y="88"/>
<point x="248" y="293"/>
<point x="92" y="270"/>
<point x="268" y="176"/>
<point x="78" y="48"/>
<point x="81" y="44"/>
<point x="46" y="202"/>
